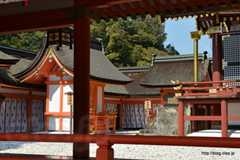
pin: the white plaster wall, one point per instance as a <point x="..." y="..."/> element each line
<point x="234" y="109"/>
<point x="66" y="124"/>
<point x="66" y="88"/>
<point x="54" y="98"/>
<point x="54" y="124"/>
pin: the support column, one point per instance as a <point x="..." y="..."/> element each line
<point x="181" y="124"/>
<point x="195" y="36"/>
<point x="217" y="57"/>
<point x="104" y="151"/>
<point x="224" y="119"/>
<point x="81" y="84"/>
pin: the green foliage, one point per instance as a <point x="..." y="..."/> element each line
<point x="132" y="42"/>
<point x="29" y="41"/>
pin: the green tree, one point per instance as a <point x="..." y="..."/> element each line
<point x="131" y="42"/>
<point x="171" y="50"/>
<point x="27" y="40"/>
<point x="127" y="42"/>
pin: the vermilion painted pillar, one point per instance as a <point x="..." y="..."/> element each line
<point x="81" y="84"/>
<point x="224" y="120"/>
<point x="104" y="151"/>
<point x="217" y="57"/>
<point x="181" y="118"/>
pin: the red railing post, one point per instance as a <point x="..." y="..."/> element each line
<point x="181" y="118"/>
<point x="104" y="151"/>
<point x="224" y="119"/>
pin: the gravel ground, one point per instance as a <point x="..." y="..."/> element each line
<point x="137" y="152"/>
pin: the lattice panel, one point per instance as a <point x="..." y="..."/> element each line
<point x="231" y="54"/>
<point x="13" y="115"/>
<point x="133" y="116"/>
<point x="37" y="115"/>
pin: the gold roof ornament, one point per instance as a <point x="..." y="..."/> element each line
<point x="196" y="35"/>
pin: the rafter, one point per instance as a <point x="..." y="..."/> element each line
<point x="39" y="20"/>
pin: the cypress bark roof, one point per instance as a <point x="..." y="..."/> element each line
<point x="100" y="67"/>
<point x="135" y="88"/>
<point x="17" y="53"/>
<point x="174" y="68"/>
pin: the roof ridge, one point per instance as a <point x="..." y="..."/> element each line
<point x="35" y="60"/>
<point x="17" y="52"/>
<point x="176" y="57"/>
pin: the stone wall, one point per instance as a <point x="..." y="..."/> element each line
<point x="166" y="120"/>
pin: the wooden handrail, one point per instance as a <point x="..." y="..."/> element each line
<point x="207" y="82"/>
<point x="120" y="139"/>
<point x="207" y="88"/>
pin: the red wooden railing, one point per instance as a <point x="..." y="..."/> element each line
<point x="105" y="152"/>
<point x="208" y="88"/>
<point x="103" y="123"/>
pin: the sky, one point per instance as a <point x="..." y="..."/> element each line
<point x="178" y="35"/>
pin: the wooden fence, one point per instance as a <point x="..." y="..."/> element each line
<point x="105" y="152"/>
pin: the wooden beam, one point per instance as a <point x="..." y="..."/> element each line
<point x="120" y="139"/>
<point x="234" y="117"/>
<point x="37" y="20"/>
<point x="81" y="83"/>
<point x="105" y="3"/>
<point x="203" y="118"/>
